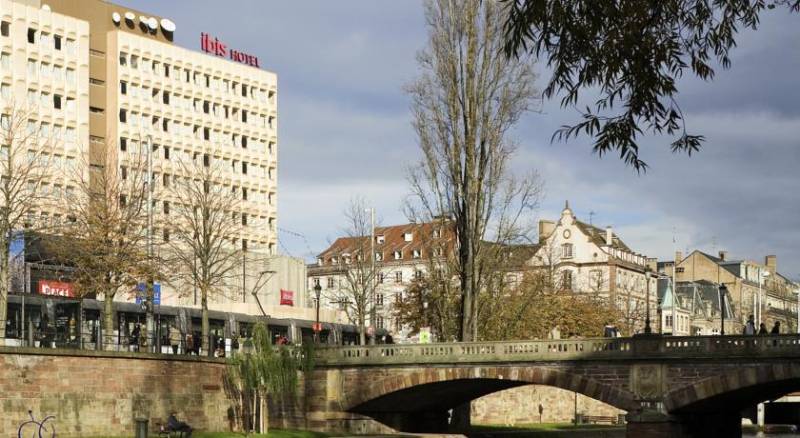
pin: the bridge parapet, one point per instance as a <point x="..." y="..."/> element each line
<point x="635" y="348"/>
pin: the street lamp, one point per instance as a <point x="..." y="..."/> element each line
<point x="317" y="290"/>
<point x="647" y="329"/>
<point x="722" y="291"/>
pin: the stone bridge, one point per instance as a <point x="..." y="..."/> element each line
<point x="670" y="386"/>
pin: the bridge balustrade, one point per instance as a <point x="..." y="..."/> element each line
<point x="643" y="348"/>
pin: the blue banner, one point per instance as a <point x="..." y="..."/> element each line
<point x="142" y="293"/>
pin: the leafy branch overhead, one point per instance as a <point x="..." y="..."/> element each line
<point x="632" y="52"/>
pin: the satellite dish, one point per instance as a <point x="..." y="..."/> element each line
<point x="116" y="17"/>
<point x="129" y="16"/>
<point x="152" y="23"/>
<point x="167" y="25"/>
<point x="46" y="8"/>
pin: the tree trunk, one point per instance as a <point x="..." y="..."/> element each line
<point x="108" y="321"/>
<point x="204" y="304"/>
<point x="4" y="286"/>
<point x="362" y="331"/>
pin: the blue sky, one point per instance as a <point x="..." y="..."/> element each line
<point x="344" y="131"/>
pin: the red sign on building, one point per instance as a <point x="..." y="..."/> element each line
<point x="287" y="298"/>
<point x="214" y="46"/>
<point x="56" y="288"/>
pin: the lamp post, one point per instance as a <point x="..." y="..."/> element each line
<point x="723" y="290"/>
<point x="647" y="329"/>
<point x="317" y="290"/>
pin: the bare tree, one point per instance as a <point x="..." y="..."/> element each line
<point x="204" y="233"/>
<point x="466" y="99"/>
<point x="106" y="231"/>
<point x="25" y="166"/>
<point x="357" y="268"/>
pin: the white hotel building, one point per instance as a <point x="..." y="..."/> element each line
<point x="103" y="77"/>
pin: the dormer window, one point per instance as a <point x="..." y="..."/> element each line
<point x="334" y="261"/>
<point x="437" y="233"/>
<point x="398" y="255"/>
<point x="380" y="238"/>
<point x="408" y="237"/>
<point x="379" y="256"/>
<point x="416" y="254"/>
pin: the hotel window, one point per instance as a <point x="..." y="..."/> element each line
<point x="379" y="300"/>
<point x="123" y="58"/>
<point x="165" y="97"/>
<point x="31" y="35"/>
<point x="123" y="144"/>
<point x="57" y="42"/>
<point x="70" y="104"/>
<point x="244" y="116"/>
<point x="70" y="77"/>
<point x="5" y="60"/>
<point x="381" y="277"/>
<point x="123" y="87"/>
<point x="123" y="115"/>
<point x="5" y="28"/>
<point x="70" y="46"/>
<point x="244" y="90"/>
<point x="32" y="70"/>
<point x="419" y="274"/>
<point x="244" y="168"/>
<point x="244" y="193"/>
<point x="166" y="153"/>
<point x="398" y="277"/>
<point x="330" y="282"/>
<point x="5" y="91"/>
<point x="56" y="101"/>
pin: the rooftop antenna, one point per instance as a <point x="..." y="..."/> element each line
<point x="713" y="244"/>
<point x="591" y="215"/>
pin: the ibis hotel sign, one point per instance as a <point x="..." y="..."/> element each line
<point x="214" y="46"/>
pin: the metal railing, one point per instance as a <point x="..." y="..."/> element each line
<point x="604" y="349"/>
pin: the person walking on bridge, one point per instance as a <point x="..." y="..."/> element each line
<point x="762" y="330"/>
<point x="776" y="329"/>
<point x="750" y="326"/>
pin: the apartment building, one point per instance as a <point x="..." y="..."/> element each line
<point x="753" y="288"/>
<point x="402" y="253"/>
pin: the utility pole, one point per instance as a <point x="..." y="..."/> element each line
<point x="372" y="316"/>
<point x="150" y="294"/>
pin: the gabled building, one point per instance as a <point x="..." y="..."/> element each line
<point x="584" y="258"/>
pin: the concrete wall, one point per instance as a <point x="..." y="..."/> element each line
<point x="520" y="405"/>
<point x="93" y="395"/>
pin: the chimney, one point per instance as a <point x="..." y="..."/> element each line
<point x="678" y="257"/>
<point x="546" y="228"/>
<point x="723" y="255"/>
<point x="772" y="263"/>
<point x="652" y="263"/>
<point x="609" y="236"/>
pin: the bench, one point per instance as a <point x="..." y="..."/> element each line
<point x="165" y="431"/>
<point x="597" y="419"/>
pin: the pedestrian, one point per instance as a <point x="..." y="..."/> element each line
<point x="174" y="338"/>
<point x="776" y="329"/>
<point x="134" y="339"/>
<point x="750" y="326"/>
<point x="762" y="330"/>
<point x="234" y="343"/>
<point x="189" y="348"/>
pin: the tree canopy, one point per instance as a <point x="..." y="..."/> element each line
<point x="632" y="52"/>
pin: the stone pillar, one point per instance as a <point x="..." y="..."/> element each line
<point x="651" y="423"/>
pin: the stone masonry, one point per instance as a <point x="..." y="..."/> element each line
<point x="101" y="394"/>
<point x="517" y="406"/>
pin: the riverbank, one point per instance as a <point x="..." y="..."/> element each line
<point x="547" y="430"/>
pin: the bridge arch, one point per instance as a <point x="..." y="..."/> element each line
<point x="735" y="389"/>
<point x="437" y="388"/>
